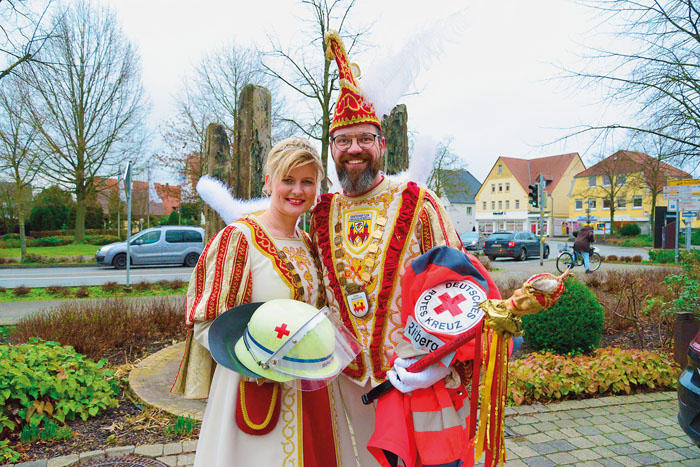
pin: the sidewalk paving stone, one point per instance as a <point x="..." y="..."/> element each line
<point x="545" y="426"/>
<point x="646" y="458"/>
<point x="585" y="454"/>
<point x="636" y="435"/>
<point x="662" y="444"/>
<point x="588" y="430"/>
<point x="644" y="446"/>
<point x="581" y="442"/>
<point x="626" y="461"/>
<point x="544" y="448"/>
<point x="562" y="458"/>
<point x="617" y="438"/>
<point x="538" y="462"/>
<point x="623" y="449"/>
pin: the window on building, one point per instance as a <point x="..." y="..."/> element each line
<point x="606" y="180"/>
<point x="591" y="181"/>
<point x="637" y="202"/>
<point x="493" y="188"/>
<point x="507" y="187"/>
<point x="517" y="204"/>
<point x="606" y="203"/>
<point x="484" y="208"/>
<point x="621" y="179"/>
<point x="592" y="203"/>
<point x="500" y="204"/>
<point x="622" y="203"/>
<point x="507" y="204"/>
<point x="579" y="204"/>
<point x="469" y="210"/>
<point x="500" y="187"/>
<point x="500" y="169"/>
<point x="493" y="205"/>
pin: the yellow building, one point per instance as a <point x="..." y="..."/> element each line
<point x="502" y="201"/>
<point x="623" y="185"/>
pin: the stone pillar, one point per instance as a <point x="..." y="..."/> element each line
<point x="395" y="129"/>
<point x="217" y="155"/>
<point x="252" y="141"/>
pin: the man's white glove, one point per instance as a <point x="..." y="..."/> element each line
<point x="405" y="381"/>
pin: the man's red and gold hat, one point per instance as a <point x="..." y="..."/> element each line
<point x="352" y="107"/>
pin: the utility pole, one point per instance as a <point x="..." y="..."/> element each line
<point x="127" y="191"/>
<point x="540" y="196"/>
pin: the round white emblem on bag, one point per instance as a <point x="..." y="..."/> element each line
<point x="450" y="308"/>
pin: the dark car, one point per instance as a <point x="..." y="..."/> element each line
<point x="518" y="245"/>
<point x="689" y="393"/>
<point x="470" y="240"/>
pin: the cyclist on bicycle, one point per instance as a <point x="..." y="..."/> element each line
<point x="582" y="245"/>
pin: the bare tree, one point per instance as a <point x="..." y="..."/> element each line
<point x="89" y="106"/>
<point x="184" y="135"/>
<point x="222" y="75"/>
<point x="21" y="36"/>
<point x="19" y="160"/>
<point x="306" y="71"/>
<point x="442" y="179"/>
<point x="658" y="74"/>
<point x="213" y="95"/>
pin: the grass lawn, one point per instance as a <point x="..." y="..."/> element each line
<point x="94" y="291"/>
<point x="53" y="251"/>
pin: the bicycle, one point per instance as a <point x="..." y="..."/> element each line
<point x="567" y="260"/>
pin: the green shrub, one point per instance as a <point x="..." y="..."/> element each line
<point x="10" y="236"/>
<point x="101" y="239"/>
<point x="182" y="426"/>
<point x="44" y="383"/>
<point x="21" y="290"/>
<point x="668" y="256"/>
<point x="548" y="377"/>
<point x="7" y="454"/>
<point x="573" y="324"/>
<point x="639" y="241"/>
<point x="630" y="230"/>
<point x="52" y="241"/>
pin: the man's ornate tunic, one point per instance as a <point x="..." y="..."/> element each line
<point x="404" y="221"/>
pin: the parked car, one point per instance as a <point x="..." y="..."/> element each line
<point x="167" y="244"/>
<point x="470" y="240"/>
<point x="689" y="393"/>
<point x="517" y="245"/>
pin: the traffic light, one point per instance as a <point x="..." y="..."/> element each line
<point x="534" y="199"/>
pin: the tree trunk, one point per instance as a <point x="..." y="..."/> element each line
<point x="80" y="209"/>
<point x="22" y="234"/>
<point x="395" y="129"/>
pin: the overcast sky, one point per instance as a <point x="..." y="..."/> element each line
<point x="490" y="89"/>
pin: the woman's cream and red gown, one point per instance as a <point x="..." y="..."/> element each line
<point x="241" y="265"/>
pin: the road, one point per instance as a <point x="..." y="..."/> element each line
<point x="88" y="275"/>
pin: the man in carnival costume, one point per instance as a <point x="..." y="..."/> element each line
<point x="368" y="238"/>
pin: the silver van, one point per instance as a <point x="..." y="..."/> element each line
<point x="166" y="244"/>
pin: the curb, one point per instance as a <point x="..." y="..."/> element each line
<point x="607" y="401"/>
<point x="47" y="265"/>
<point x="172" y="454"/>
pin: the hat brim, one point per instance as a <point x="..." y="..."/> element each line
<point x="225" y="331"/>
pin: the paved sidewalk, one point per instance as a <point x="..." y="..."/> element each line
<point x="610" y="431"/>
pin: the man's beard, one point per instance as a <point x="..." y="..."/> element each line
<point x="357" y="183"/>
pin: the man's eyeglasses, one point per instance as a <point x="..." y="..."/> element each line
<point x="365" y="141"/>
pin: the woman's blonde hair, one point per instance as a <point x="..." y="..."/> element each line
<point x="289" y="154"/>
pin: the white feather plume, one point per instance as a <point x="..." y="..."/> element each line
<point x="332" y="176"/>
<point x="385" y="80"/>
<point x="219" y="198"/>
<point x="421" y="163"/>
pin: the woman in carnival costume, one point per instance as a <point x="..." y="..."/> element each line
<point x="259" y="258"/>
